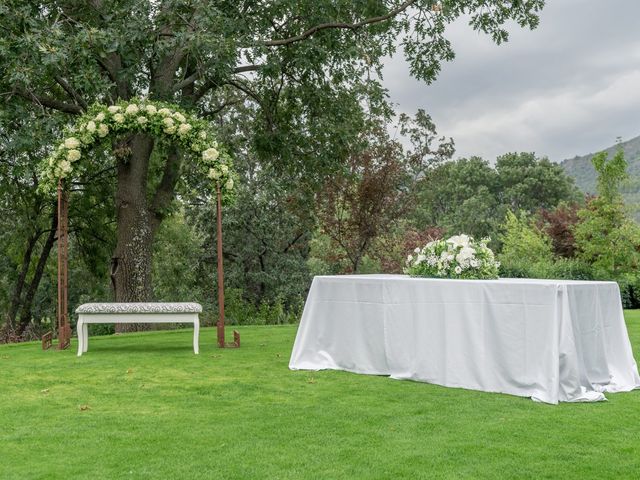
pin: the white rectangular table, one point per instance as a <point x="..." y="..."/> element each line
<point x="152" y="312"/>
<point x="551" y="340"/>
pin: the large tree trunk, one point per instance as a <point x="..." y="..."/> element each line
<point x="131" y="262"/>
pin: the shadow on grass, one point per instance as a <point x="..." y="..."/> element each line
<point x="139" y="348"/>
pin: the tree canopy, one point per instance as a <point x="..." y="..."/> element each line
<point x="471" y="196"/>
<point x="289" y="85"/>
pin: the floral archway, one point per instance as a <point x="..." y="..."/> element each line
<point x="165" y="122"/>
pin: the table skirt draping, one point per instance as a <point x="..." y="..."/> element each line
<point x="551" y="340"/>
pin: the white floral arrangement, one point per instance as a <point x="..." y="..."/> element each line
<point x="457" y="257"/>
<point x="162" y="120"/>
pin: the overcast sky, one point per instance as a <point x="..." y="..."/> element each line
<point x="567" y="88"/>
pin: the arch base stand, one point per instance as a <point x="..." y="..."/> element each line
<point x="222" y="343"/>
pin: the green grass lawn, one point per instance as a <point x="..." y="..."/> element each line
<point x="143" y="406"/>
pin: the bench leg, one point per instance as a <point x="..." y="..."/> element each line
<point x="80" y="328"/>
<point x="85" y="335"/>
<point x="196" y="335"/>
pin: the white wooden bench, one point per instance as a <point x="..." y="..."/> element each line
<point x="179" y="312"/>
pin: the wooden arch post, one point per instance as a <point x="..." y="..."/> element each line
<point x="220" y="324"/>
<point x="64" y="329"/>
<point x="62" y="312"/>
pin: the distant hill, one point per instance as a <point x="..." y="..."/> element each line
<point x="582" y="171"/>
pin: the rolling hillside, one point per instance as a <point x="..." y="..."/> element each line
<point x="581" y="169"/>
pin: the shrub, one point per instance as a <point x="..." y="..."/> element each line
<point x="571" y="269"/>
<point x="523" y="243"/>
<point x="239" y="311"/>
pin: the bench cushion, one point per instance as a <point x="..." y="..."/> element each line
<point x="151" y="307"/>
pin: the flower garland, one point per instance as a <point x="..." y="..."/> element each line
<point x="162" y="120"/>
<point x="457" y="257"/>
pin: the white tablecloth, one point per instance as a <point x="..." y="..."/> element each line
<point x="551" y="340"/>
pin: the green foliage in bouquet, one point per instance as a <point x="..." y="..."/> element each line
<point x="457" y="257"/>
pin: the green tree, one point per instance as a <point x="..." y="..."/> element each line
<point x="606" y="236"/>
<point x="30" y="219"/>
<point x="266" y="243"/>
<point x="523" y="243"/>
<point x="301" y="65"/>
<point x="469" y="196"/>
<point x="528" y="183"/>
<point x="459" y="197"/>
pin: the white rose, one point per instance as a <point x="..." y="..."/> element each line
<point x="224" y="169"/>
<point x="409" y="258"/>
<point x="214" y="174"/>
<point x="229" y="184"/>
<point x="170" y="130"/>
<point x="165" y="112"/>
<point x="210" y="154"/>
<point x="417" y="250"/>
<point x="118" y="118"/>
<point x="73" y="155"/>
<point x="151" y="109"/>
<point x="458" y="270"/>
<point x="465" y="254"/>
<point x="168" y="122"/>
<point x="72" y="142"/>
<point x="141" y="120"/>
<point x="178" y="116"/>
<point x="99" y="117"/>
<point x="103" y="130"/>
<point x="202" y="135"/>
<point x="459" y="240"/>
<point x="91" y="126"/>
<point x="131" y="109"/>
<point x="184" y="128"/>
<point x="113" y="108"/>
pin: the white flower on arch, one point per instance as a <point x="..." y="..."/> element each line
<point x="188" y="132"/>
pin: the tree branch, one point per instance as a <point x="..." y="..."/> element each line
<point x="198" y="74"/>
<point x="163" y="74"/>
<point x="219" y="108"/>
<point x="202" y="91"/>
<point x="246" y="90"/>
<point x="110" y="73"/>
<point x="247" y="68"/>
<point x="49" y="102"/>
<point x="72" y="92"/>
<point x="165" y="191"/>
<point x="340" y="25"/>
<point x="186" y="82"/>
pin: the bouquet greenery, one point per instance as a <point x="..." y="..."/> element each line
<point x="457" y="257"/>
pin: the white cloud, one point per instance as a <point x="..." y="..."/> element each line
<point x="575" y="113"/>
<point x="569" y="87"/>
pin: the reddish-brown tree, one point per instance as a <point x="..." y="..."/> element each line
<point x="559" y="224"/>
<point x="391" y="250"/>
<point x="377" y="189"/>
